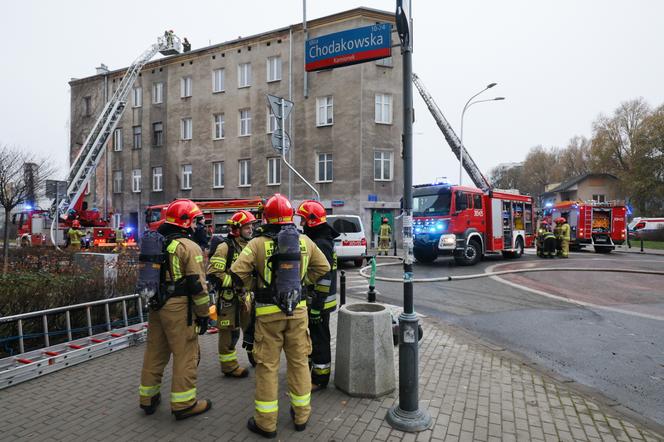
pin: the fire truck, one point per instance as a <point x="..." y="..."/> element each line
<point x="600" y="225"/>
<point x="463" y="221"/>
<point x="216" y="212"/>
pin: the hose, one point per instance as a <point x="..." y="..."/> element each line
<point x="506" y="272"/>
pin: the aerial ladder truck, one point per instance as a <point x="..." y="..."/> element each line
<point x="463" y="221"/>
<point x="83" y="167"/>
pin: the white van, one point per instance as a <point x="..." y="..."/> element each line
<point x="649" y="229"/>
<point x="351" y="245"/>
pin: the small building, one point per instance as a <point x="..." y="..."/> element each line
<point x="599" y="187"/>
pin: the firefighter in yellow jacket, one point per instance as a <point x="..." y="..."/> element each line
<point x="75" y="234"/>
<point x="283" y="260"/>
<point x="235" y="311"/>
<point x="384" y="236"/>
<point x="177" y="316"/>
<point x="563" y="236"/>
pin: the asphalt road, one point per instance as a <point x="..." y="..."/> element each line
<point x="604" y="330"/>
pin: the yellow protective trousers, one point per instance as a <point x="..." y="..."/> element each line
<point x="229" y="331"/>
<point x="168" y="333"/>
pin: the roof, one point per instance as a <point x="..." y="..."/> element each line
<point x="565" y="185"/>
<point x="230" y="44"/>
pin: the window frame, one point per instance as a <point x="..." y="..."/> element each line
<point x="382" y="105"/>
<point x="157" y="136"/>
<point x="247" y="120"/>
<point x="186" y="86"/>
<point x="159" y="178"/>
<point x="274" y="161"/>
<point x="382" y="161"/>
<point x="214" y="80"/>
<point x="137" y="136"/>
<point x="137" y="97"/>
<point x="117" y="181"/>
<point x="186" y="176"/>
<point x="328" y="108"/>
<point x="158" y="92"/>
<point x="136" y="179"/>
<point x="277" y="68"/>
<point x="270" y="119"/>
<point x="220" y="184"/>
<point x="117" y="140"/>
<point x="329" y="158"/>
<point x="244" y="72"/>
<point x="246" y="172"/>
<point x="183" y="129"/>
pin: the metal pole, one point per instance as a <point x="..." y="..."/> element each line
<point x="124" y="313"/>
<point x="108" y="317"/>
<point x="283" y="153"/>
<point x="371" y="294"/>
<point x="304" y="48"/>
<point x="140" y="309"/>
<point x="89" y="317"/>
<point x="406" y="415"/>
<point x="21" y="343"/>
<point x="45" y="322"/>
<point x="68" y="321"/>
<point x="342" y="288"/>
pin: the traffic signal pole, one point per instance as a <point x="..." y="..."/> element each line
<point x="407" y="415"/>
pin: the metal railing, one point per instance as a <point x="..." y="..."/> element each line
<point x="67" y="309"/>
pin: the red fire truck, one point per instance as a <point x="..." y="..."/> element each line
<point x="600" y="225"/>
<point x="468" y="223"/>
<point x="216" y="211"/>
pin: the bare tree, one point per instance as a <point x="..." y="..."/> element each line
<point x="16" y="186"/>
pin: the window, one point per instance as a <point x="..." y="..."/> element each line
<point x="157" y="183"/>
<point x="218" y="77"/>
<point x="157" y="134"/>
<point x="219" y="129"/>
<point x="382" y="166"/>
<point x="385" y="62"/>
<point x="186" y="177"/>
<point x="273" y="69"/>
<point x="477" y="201"/>
<point x="185" y="129"/>
<point x="138" y="97"/>
<point x="117" y="181"/>
<point x="272" y="122"/>
<point x="245" y="122"/>
<point x="244" y="75"/>
<point x="185" y="87"/>
<point x="599" y="198"/>
<point x="157" y="93"/>
<point x="245" y="173"/>
<point x="273" y="171"/>
<point x="87" y="106"/>
<point x="117" y="139"/>
<point x="218" y="175"/>
<point x="324" y="169"/>
<point x="324" y="111"/>
<point x="136" y="180"/>
<point x="383" y="109"/>
<point x="138" y="137"/>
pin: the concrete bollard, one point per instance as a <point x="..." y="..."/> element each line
<point x="105" y="264"/>
<point x="364" y="364"/>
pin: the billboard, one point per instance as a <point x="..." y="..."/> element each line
<point x="349" y="47"/>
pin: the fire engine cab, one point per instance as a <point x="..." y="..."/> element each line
<point x="467" y="223"/>
<point x="600" y="225"/>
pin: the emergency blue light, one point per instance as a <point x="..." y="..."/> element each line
<point x="548" y="205"/>
<point x="128" y="229"/>
<point x="439" y="226"/>
<point x="432" y="229"/>
<point x="629" y="209"/>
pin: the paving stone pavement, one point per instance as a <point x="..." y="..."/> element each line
<point x="472" y="391"/>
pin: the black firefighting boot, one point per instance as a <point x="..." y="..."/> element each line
<point x="199" y="407"/>
<point x="254" y="428"/>
<point x="298" y="427"/>
<point x="154" y="403"/>
<point x="239" y="372"/>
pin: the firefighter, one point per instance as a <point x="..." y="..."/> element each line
<point x="546" y="241"/>
<point x="563" y="237"/>
<point x="75" y="234"/>
<point x="322" y="296"/>
<point x="384" y="236"/>
<point x="181" y="315"/>
<point x="234" y="310"/>
<point x="282" y="260"/>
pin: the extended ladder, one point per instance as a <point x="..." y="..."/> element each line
<point x="455" y="144"/>
<point x="88" y="158"/>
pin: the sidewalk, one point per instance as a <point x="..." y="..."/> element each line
<point x="473" y="392"/>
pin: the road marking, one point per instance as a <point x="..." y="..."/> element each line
<point x="363" y="286"/>
<point x="567" y="300"/>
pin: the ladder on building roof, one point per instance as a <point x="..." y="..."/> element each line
<point x="455" y="144"/>
<point x="91" y="152"/>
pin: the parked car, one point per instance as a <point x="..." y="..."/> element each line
<point x="351" y="245"/>
<point x="649" y="229"/>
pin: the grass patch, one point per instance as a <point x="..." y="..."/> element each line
<point x="650" y="244"/>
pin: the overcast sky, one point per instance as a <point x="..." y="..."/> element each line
<point x="558" y="63"/>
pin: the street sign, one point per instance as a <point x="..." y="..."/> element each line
<point x="277" y="138"/>
<point x="56" y="189"/>
<point x="349" y="47"/>
<point x="275" y="105"/>
<point x="337" y="203"/>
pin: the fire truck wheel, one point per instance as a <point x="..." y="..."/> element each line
<point x="603" y="249"/>
<point x="470" y="256"/>
<point x="425" y="256"/>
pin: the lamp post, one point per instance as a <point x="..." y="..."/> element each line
<point x="489" y="86"/>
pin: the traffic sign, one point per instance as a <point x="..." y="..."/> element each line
<point x="275" y="105"/>
<point x="279" y="141"/>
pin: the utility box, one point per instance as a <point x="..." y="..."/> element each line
<point x="100" y="264"/>
<point x="364" y="363"/>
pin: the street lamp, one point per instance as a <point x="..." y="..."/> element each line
<point x="468" y="103"/>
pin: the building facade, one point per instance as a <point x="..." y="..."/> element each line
<point x="198" y="125"/>
<point x="598" y="187"/>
